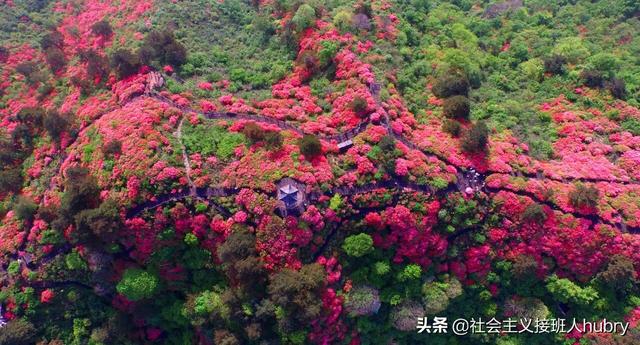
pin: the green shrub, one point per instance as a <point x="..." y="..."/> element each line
<point x="476" y="139"/>
<point x="358" y="245"/>
<point x="264" y="24"/>
<point x="631" y="125"/>
<point x="124" y="63"/>
<point x="534" y="213"/>
<point x="565" y="291"/>
<point x="452" y="127"/>
<point x="14" y="268"/>
<point x="253" y="132"/>
<point x="451" y="84"/>
<point x="74" y="261"/>
<point x="11" y="180"/>
<point x="343" y="22"/>
<point x="55" y="124"/>
<point x="190" y="239"/>
<point x="584" y="196"/>
<point x="137" y="284"/>
<point x="605" y="63"/>
<point x="162" y="46"/>
<point x="572" y="49"/>
<point x="310" y="146"/>
<point x="305" y="17"/>
<point x="335" y="202"/>
<point x="55" y="58"/>
<point x="227" y="145"/>
<point x="31" y="72"/>
<point x="211" y="140"/>
<point x="112" y="148"/>
<point x="4" y="54"/>
<point x="592" y="78"/>
<point x="617" y="88"/>
<point x="359" y="107"/>
<point x="554" y="64"/>
<point x="18" y="332"/>
<point x="24" y="208"/>
<point x="102" y="28"/>
<point x="533" y="69"/>
<point x="273" y="140"/>
<point x="456" y="107"/>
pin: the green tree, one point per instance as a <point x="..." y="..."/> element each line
<point x="11" y="180"/>
<point x="534" y="213"/>
<point x="451" y="84"/>
<point x="456" y="107"/>
<point x="410" y="272"/>
<point x="617" y="87"/>
<point x="342" y="21"/>
<point x="298" y="292"/>
<point x="210" y="302"/>
<point x="24" y="208"/>
<point x="452" y="127"/>
<point x="620" y="274"/>
<point x="253" y="132"/>
<point x="112" y="148"/>
<point x="435" y="298"/>
<point x="533" y="69"/>
<point x="137" y="284"/>
<point x="273" y="140"/>
<point x="55" y="58"/>
<point x="572" y="49"/>
<point x="305" y="17"/>
<point x="102" y="222"/>
<point x="125" y="63"/>
<point x="310" y="146"/>
<point x="476" y="139"/>
<point x="55" y="124"/>
<point x="102" y="28"/>
<point x="358" y="245"/>
<point x="564" y="290"/>
<point x="161" y="46"/>
<point x="555" y="64"/>
<point x="359" y="107"/>
<point x="584" y="196"/>
<point x="18" y="332"/>
<point x="362" y="300"/>
<point x="81" y="191"/>
<point x="240" y="260"/>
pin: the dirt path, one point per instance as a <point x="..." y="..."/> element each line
<point x="185" y="158"/>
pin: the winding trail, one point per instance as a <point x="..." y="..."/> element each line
<point x="185" y="158"/>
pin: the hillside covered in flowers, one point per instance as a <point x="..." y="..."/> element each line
<point x="293" y="172"/>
